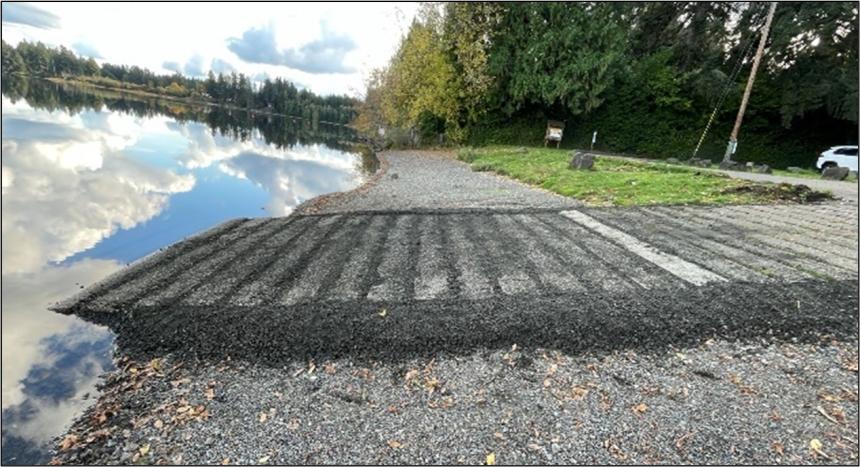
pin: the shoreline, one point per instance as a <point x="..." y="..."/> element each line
<point x="139" y="93"/>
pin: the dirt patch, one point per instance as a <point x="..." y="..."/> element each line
<point x="781" y="192"/>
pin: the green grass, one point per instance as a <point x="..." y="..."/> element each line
<point x="612" y="182"/>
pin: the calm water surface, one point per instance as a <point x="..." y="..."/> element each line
<point x="92" y="182"/>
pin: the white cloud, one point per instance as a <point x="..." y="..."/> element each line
<point x="289" y="175"/>
<point x="373" y="28"/>
<point x="27" y="321"/>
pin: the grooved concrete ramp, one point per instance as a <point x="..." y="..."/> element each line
<point x="470" y="255"/>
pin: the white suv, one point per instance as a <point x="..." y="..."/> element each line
<point x="838" y="156"/>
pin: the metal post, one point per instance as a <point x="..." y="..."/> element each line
<point x="733" y="139"/>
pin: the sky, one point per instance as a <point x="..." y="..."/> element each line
<point x="329" y="48"/>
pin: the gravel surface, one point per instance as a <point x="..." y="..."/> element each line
<point x="719" y="402"/>
<point x="436" y="180"/>
<point x="442" y="316"/>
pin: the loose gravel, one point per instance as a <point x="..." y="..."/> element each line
<point x="564" y="349"/>
<point x="436" y="180"/>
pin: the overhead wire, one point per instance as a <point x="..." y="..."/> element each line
<point x="729" y="82"/>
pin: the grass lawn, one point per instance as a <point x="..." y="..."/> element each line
<point x="619" y="182"/>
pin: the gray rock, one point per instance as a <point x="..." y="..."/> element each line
<point x="732" y="165"/>
<point x="697" y="162"/>
<point x="581" y="161"/>
<point x="795" y="169"/>
<point x="750" y="165"/>
<point x="762" y="169"/>
<point x="835" y="173"/>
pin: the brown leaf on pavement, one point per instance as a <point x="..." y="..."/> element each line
<point x="640" y="408"/>
<point x="394" y="444"/>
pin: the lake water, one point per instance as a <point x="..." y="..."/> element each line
<point x="93" y="181"/>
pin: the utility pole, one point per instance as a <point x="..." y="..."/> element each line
<point x="733" y="139"/>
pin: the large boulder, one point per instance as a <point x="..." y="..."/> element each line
<point x="732" y="165"/>
<point x="581" y="161"/>
<point x="762" y="169"/>
<point x="835" y="173"/>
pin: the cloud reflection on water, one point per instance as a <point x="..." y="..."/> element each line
<point x="79" y="190"/>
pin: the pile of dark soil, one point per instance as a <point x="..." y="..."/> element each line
<point x="781" y="192"/>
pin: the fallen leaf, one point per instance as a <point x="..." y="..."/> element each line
<point x="498" y="435"/>
<point x="143" y="450"/>
<point x="838" y="414"/>
<point x="491" y="457"/>
<point x="394" y="444"/>
<point x="682" y="440"/>
<point x="850" y="364"/>
<point x="311" y="367"/>
<point x="579" y="393"/>
<point x="432" y="384"/>
<point x="775" y="415"/>
<point x="382" y="313"/>
<point x="293" y="424"/>
<point x="263" y="417"/>
<point x="445" y="403"/>
<point x="778" y="448"/>
<point x="411" y="375"/>
<point x="328" y="368"/>
<point x="68" y="442"/>
<point x="158" y="424"/>
<point x="263" y="459"/>
<point x="815" y="444"/>
<point x="640" y="408"/>
<point x="829" y="416"/>
<point x="210" y="393"/>
<point x="155" y="364"/>
<point x="225" y="461"/>
<point x="392" y="409"/>
<point x="614" y="450"/>
<point x="547" y="382"/>
<point x="533" y="447"/>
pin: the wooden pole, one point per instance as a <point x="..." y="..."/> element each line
<point x="733" y="139"/>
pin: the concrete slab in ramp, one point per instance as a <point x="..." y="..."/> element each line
<point x="468" y="255"/>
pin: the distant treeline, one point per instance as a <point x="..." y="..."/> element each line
<point x="277" y="96"/>
<point x="282" y="132"/>
<point x="645" y="75"/>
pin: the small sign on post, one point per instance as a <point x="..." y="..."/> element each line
<point x="554" y="131"/>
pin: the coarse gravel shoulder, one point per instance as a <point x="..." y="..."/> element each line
<point x="425" y="180"/>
